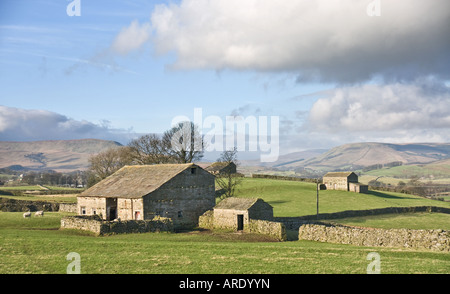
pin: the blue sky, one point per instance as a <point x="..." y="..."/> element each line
<point x="331" y="73"/>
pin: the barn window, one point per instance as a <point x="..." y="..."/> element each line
<point x="180" y="214"/>
<point x="94" y="211"/>
<point x="83" y="210"/>
<point x="193" y="170"/>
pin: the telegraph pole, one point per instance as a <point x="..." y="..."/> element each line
<point x="317" y="199"/>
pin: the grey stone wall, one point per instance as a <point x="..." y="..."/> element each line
<point x="293" y="223"/>
<point x="100" y="227"/>
<point x="68" y="207"/>
<point x="13" y="205"/>
<point x="183" y="199"/>
<point x="227" y="218"/>
<point x="274" y="229"/>
<point x="208" y="221"/>
<point x="336" y="183"/>
<point x="261" y="210"/>
<point x="437" y="240"/>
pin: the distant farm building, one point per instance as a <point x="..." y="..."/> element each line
<point x="346" y="181"/>
<point x="181" y="192"/>
<point x="217" y="168"/>
<point x="236" y="213"/>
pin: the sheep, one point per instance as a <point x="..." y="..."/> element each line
<point x="39" y="213"/>
<point x="27" y="214"/>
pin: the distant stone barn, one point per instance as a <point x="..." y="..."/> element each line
<point x="346" y="181"/>
<point x="218" y="168"/>
<point x="235" y="213"/>
<point x="181" y="192"/>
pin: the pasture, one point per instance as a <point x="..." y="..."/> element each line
<point x="37" y="245"/>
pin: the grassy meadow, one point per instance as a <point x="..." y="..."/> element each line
<point x="36" y="245"/>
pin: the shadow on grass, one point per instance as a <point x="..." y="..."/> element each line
<point x="277" y="202"/>
<point x="388" y="196"/>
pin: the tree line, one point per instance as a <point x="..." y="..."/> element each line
<point x="414" y="186"/>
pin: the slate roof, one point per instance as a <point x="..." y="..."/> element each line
<point x="237" y="203"/>
<point x="135" y="181"/>
<point x="338" y="174"/>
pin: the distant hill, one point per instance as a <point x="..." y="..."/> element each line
<point x="288" y="160"/>
<point x="359" y="155"/>
<point x="62" y="155"/>
<point x="351" y="156"/>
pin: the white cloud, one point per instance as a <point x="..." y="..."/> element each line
<point x="396" y="113"/>
<point x="18" y="124"/>
<point x="322" y="39"/>
<point x="131" y="38"/>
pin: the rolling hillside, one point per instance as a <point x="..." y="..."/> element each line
<point x="353" y="156"/>
<point x="62" y="156"/>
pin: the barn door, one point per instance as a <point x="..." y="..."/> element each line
<point x="137" y="215"/>
<point x="240" y="222"/>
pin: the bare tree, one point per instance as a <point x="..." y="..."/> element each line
<point x="228" y="180"/>
<point x="183" y="143"/>
<point x="148" y="149"/>
<point x="107" y="162"/>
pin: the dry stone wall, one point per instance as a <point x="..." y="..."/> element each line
<point x="100" y="227"/>
<point x="294" y="223"/>
<point x="437" y="240"/>
<point x="14" y="205"/>
<point x="68" y="207"/>
<point x="274" y="229"/>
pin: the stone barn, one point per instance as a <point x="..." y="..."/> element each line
<point x="181" y="192"/>
<point x="236" y="213"/>
<point x="346" y="181"/>
<point x="218" y="168"/>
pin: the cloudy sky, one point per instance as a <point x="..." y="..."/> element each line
<point x="334" y="72"/>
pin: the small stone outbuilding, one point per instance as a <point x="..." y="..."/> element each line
<point x="236" y="213"/>
<point x="181" y="192"/>
<point x="345" y="181"/>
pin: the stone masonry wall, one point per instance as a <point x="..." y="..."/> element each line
<point x="183" y="199"/>
<point x="99" y="227"/>
<point x="437" y="240"/>
<point x="68" y="207"/>
<point x="14" y="205"/>
<point x="294" y="223"/>
<point x="274" y="229"/>
<point x="206" y="220"/>
<point x="265" y="227"/>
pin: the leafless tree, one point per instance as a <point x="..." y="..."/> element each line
<point x="148" y="149"/>
<point x="228" y="181"/>
<point x="183" y="143"/>
<point x="107" y="162"/>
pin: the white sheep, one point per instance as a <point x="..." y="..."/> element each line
<point x="39" y="213"/>
<point x="27" y="214"/>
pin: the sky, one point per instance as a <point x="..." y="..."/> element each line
<point x="332" y="72"/>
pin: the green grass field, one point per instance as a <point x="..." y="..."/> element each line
<point x="299" y="198"/>
<point x="36" y="245"/>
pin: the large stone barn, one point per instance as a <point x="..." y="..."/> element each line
<point x="236" y="213"/>
<point x="346" y="181"/>
<point x="181" y="192"/>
